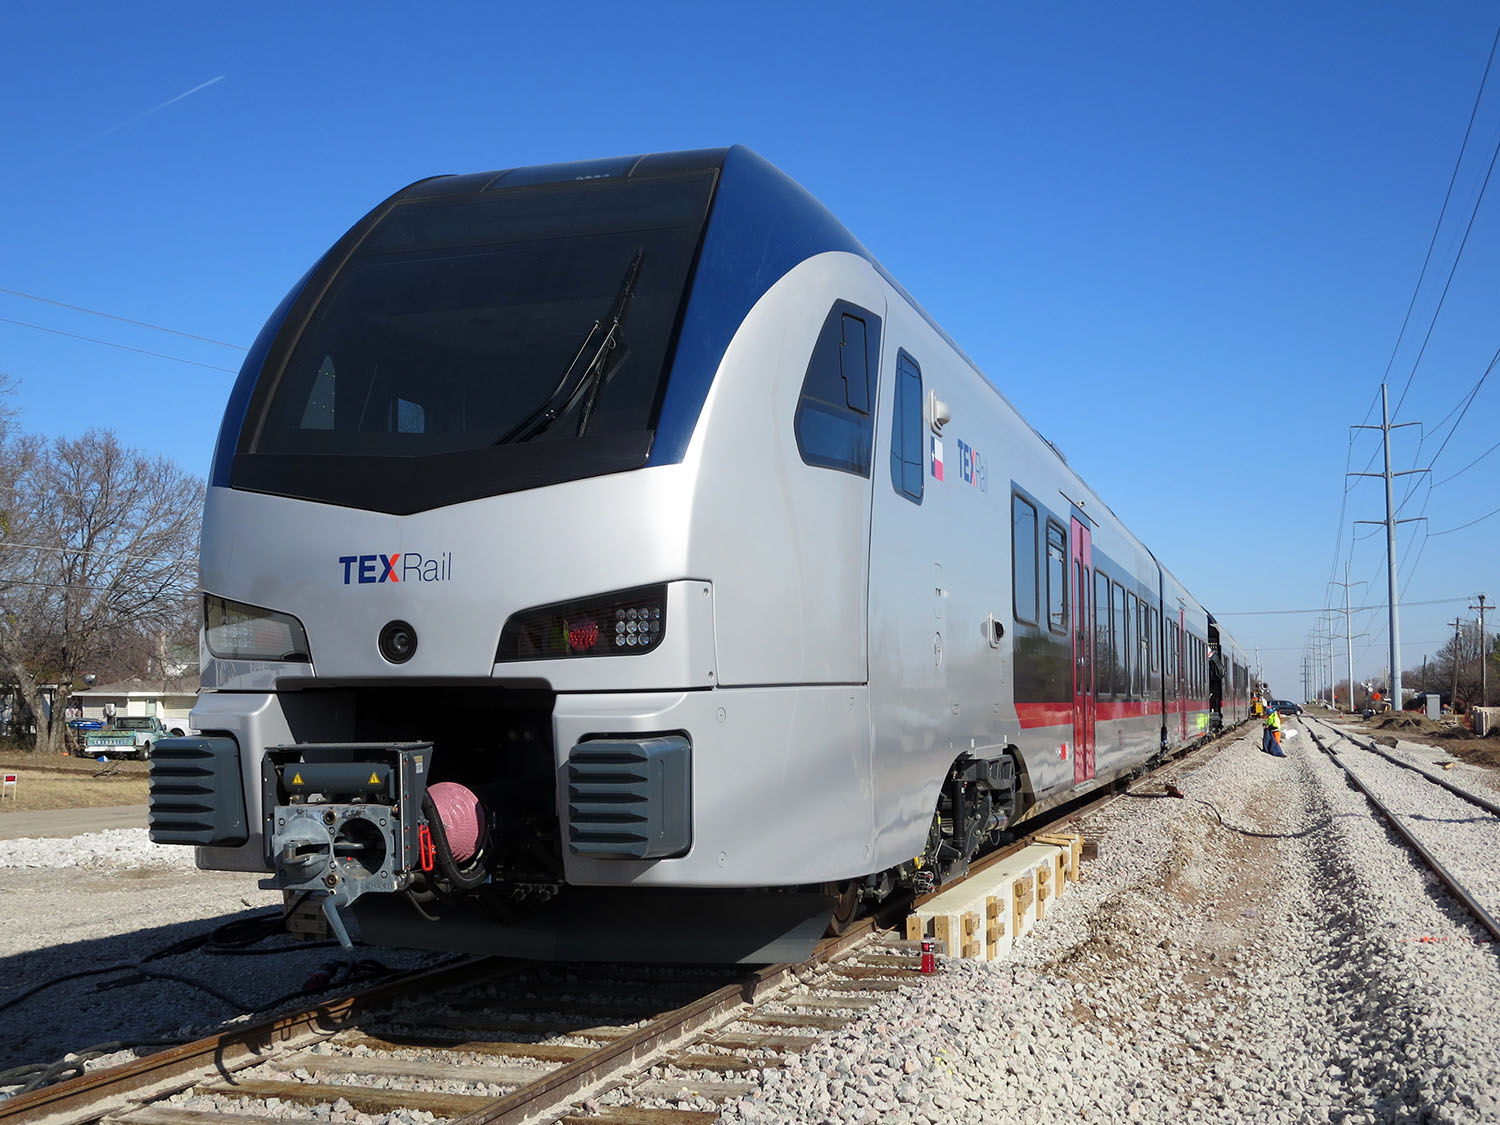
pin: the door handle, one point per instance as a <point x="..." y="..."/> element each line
<point x="994" y="629"/>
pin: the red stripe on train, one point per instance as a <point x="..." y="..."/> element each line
<point x="1061" y="714"/>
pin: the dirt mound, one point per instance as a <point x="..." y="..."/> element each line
<point x="1406" y="721"/>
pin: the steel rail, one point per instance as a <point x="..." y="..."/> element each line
<point x="1465" y="899"/>
<point x="1473" y="798"/>
<point x="96" y="1093"/>
<point x="574" y="1079"/>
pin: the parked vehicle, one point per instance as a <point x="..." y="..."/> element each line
<point x="130" y="736"/>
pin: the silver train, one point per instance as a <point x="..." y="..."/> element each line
<point x="611" y="559"/>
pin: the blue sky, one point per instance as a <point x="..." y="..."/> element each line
<point x="1181" y="237"/>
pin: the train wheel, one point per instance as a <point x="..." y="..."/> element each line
<point x="845" y="909"/>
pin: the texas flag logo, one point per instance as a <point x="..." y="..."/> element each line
<point x="937" y="458"/>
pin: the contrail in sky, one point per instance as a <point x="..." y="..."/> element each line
<point x="112" y="129"/>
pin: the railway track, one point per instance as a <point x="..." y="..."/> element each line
<point x="492" y="1042"/>
<point x="1445" y="825"/>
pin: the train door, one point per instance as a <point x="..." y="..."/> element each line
<point x="1085" y="705"/>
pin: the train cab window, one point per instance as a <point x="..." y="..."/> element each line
<point x="318" y="414"/>
<point x="1057" y="579"/>
<point x="410" y="417"/>
<point x="834" y="424"/>
<point x="1023" y="558"/>
<point x="907" y="468"/>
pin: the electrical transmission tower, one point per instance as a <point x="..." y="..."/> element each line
<point x="1390" y="522"/>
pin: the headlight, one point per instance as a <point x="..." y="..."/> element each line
<point x="625" y="623"/>
<point x="236" y="631"/>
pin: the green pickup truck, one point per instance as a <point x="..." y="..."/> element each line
<point x="129" y="737"/>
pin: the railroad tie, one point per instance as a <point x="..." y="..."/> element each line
<point x="796" y="1019"/>
<point x="546" y="1052"/>
<point x="364" y="1099"/>
<point x="824" y="1003"/>
<point x="754" y="1041"/>
<point x="319" y="1065"/>
<point x="724" y="1064"/>
<point x="631" y="1115"/>
<point x="714" y="1089"/>
<point x="171" y="1115"/>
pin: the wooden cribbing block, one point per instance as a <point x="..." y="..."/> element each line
<point x="1072" y="845"/>
<point x="971" y="945"/>
<point x="994" y="928"/>
<point x="1022" y="898"/>
<point x="1044" y="887"/>
<point x="945" y="929"/>
<point x="984" y="915"/>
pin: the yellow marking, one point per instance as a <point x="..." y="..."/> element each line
<point x="296" y="779"/>
<point x="374" y="778"/>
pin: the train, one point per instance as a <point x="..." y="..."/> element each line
<point x="612" y="560"/>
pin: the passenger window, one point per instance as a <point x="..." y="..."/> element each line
<point x="1057" y="579"/>
<point x="1121" y="641"/>
<point x="1143" y="644"/>
<point x="907" y="469"/>
<point x="1104" y="657"/>
<point x="1023" y="558"/>
<point x="834" y="425"/>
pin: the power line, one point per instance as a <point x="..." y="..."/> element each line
<point x="122" y="347"/>
<point x="1324" y="609"/>
<point x="123" y="319"/>
<point x="1442" y="214"/>
<point x="1471" y="523"/>
<point x="1469" y="466"/>
<point x="170" y="559"/>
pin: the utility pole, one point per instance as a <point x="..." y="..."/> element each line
<point x="1390" y="522"/>
<point x="1484" y="657"/>
<point x="1348" y="633"/>
<point x="1458" y="624"/>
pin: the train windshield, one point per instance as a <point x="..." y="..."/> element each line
<point x="483" y="343"/>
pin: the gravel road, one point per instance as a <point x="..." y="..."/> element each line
<point x="1259" y="950"/>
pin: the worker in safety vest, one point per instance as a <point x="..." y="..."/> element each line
<point x="1271" y="736"/>
<point x="1255" y="706"/>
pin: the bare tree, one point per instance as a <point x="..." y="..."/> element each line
<point x="98" y="544"/>
<point x="1454" y="671"/>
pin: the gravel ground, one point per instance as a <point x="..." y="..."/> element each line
<point x="111" y="899"/>
<point x="1259" y="950"/>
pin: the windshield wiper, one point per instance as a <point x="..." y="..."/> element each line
<point x="589" y="381"/>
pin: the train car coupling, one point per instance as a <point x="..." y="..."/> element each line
<point x="347" y="819"/>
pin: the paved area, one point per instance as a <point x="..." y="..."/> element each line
<point x="70" y="822"/>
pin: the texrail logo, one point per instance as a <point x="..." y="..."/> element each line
<point x="406" y="566"/>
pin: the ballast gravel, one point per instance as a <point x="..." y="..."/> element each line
<point x="1258" y="950"/>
